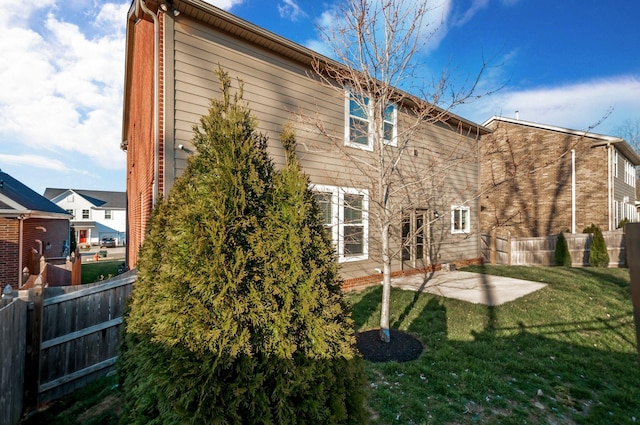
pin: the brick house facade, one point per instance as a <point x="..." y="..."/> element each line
<point x="539" y="179"/>
<point x="31" y="226"/>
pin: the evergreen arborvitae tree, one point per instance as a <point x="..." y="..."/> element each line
<point x="237" y="315"/>
<point x="598" y="255"/>
<point x="562" y="254"/>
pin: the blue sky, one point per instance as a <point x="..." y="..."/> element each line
<point x="564" y="63"/>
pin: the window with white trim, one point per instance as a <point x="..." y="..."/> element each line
<point x="344" y="212"/>
<point x="629" y="173"/>
<point x="107" y="214"/>
<point x="358" y="111"/>
<point x="460" y="219"/>
<point x="615" y="163"/>
<point x="85" y="214"/>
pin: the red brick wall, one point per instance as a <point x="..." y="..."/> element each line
<point x="9" y="239"/>
<point x="139" y="134"/>
<point x="526" y="182"/>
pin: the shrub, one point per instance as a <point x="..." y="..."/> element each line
<point x="237" y="316"/>
<point x="598" y="255"/>
<point x="562" y="254"/>
<point x="622" y="223"/>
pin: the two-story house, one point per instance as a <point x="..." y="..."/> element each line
<point x="172" y="51"/>
<point x="31" y="227"/>
<point x="541" y="179"/>
<point x="96" y="214"/>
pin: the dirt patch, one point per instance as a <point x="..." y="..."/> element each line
<point x="402" y="348"/>
<point x="110" y="404"/>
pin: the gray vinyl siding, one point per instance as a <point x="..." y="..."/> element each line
<point x="275" y="89"/>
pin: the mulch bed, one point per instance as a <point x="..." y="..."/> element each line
<point x="402" y="348"/>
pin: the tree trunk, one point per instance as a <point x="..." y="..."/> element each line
<point x="386" y="286"/>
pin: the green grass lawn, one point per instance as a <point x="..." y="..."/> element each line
<point x="563" y="355"/>
<point x="99" y="270"/>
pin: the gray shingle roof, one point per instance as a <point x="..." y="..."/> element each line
<point x="25" y="197"/>
<point x="99" y="198"/>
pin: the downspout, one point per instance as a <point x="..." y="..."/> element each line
<point x="20" y="246"/>
<point x="156" y="91"/>
<point x="609" y="184"/>
<point x="573" y="191"/>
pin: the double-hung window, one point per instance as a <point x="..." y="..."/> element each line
<point x="85" y="214"/>
<point x="344" y="212"/>
<point x="107" y="214"/>
<point x="358" y="131"/>
<point x="460" y="219"/>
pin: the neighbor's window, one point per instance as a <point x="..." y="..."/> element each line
<point x="629" y="173"/>
<point x="344" y="212"/>
<point x="460" y="219"/>
<point x="357" y="130"/>
<point x="107" y="214"/>
<point x="85" y="214"/>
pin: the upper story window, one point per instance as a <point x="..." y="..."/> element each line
<point x="107" y="214"/>
<point x="71" y="212"/>
<point x="358" y="111"/>
<point x="345" y="213"/>
<point x="629" y="173"/>
<point x="460" y="219"/>
<point x="85" y="214"/>
<point x="615" y="163"/>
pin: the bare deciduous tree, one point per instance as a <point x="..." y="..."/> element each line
<point x="376" y="46"/>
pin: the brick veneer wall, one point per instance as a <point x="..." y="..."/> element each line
<point x="526" y="181"/>
<point x="140" y="149"/>
<point x="9" y="238"/>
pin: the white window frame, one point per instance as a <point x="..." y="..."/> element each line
<point x="108" y="214"/>
<point x="629" y="173"/>
<point x="88" y="214"/>
<point x="367" y="122"/>
<point x="615" y="163"/>
<point x="467" y="226"/>
<point x="337" y="224"/>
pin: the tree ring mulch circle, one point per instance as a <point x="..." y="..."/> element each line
<point x="402" y="348"/>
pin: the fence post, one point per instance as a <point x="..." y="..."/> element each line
<point x="632" y="239"/>
<point x="32" y="384"/>
<point x="509" y="248"/>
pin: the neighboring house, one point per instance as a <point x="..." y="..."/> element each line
<point x="171" y="58"/>
<point x="31" y="226"/>
<point x="540" y="179"/>
<point x="96" y="214"/>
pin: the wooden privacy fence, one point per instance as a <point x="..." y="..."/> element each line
<point x="13" y="337"/>
<point x="56" y="271"/>
<point x="539" y="251"/>
<point x="55" y="340"/>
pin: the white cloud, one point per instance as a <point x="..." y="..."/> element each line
<point x="225" y="4"/>
<point x="62" y="87"/>
<point x="35" y="161"/>
<point x="290" y="10"/>
<point x="577" y="106"/>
